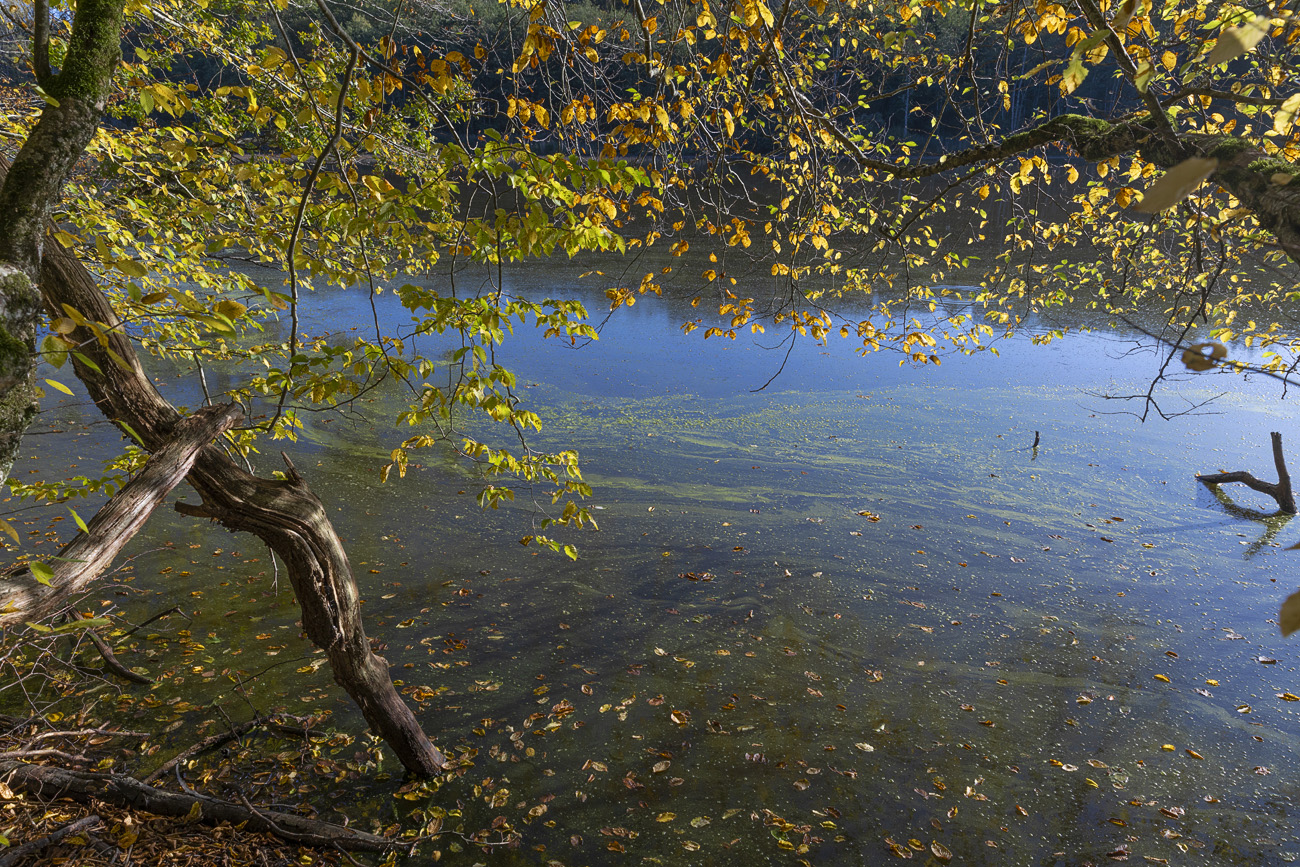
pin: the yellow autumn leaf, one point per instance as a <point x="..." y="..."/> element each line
<point x="1177" y="184"/>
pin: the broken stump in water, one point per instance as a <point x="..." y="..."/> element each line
<point x="1280" y="490"/>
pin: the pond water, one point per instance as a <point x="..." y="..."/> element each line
<point x="850" y="616"/>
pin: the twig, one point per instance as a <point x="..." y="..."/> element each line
<point x="112" y="663"/>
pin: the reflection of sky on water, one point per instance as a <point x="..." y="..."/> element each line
<point x="977" y="666"/>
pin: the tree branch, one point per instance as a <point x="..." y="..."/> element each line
<point x="1279" y="490"/>
<point x="82" y="560"/>
<point x="49" y="782"/>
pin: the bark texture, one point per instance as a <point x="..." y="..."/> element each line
<point x="81" y="561"/>
<point x="30" y="191"/>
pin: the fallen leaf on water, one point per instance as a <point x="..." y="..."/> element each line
<point x="1194" y="754"/>
<point x="942" y="852"/>
<point x="1162" y="677"/>
<point x="1266" y="660"/>
<point x="665" y="817"/>
<point x="1287" y="696"/>
<point x="660" y="767"/>
<point x="700" y="821"/>
<point x="865" y="747"/>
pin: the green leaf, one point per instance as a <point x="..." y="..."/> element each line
<point x="1123" y="16"/>
<point x="9" y="528"/>
<point x="1074" y="75"/>
<point x="58" y="386"/>
<point x="77" y="518"/>
<point x="86" y="360"/>
<point x="126" y="427"/>
<point x="82" y="625"/>
<point x="130" y="268"/>
<point x="41" y="572"/>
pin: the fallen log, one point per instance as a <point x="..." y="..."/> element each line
<point x="120" y="790"/>
<point x="25" y="596"/>
<point x="1280" y="490"/>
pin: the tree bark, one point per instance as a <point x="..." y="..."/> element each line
<point x="48" y="782"/>
<point x="285" y="514"/>
<point x="31" y="190"/>
<point x="81" y="561"/>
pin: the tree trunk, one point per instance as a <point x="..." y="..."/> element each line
<point x="77" y="96"/>
<point x="285" y="514"/>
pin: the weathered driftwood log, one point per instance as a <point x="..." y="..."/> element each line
<point x="82" y="560"/>
<point x="1280" y="490"/>
<point x="285" y="514"/>
<point x="120" y="790"/>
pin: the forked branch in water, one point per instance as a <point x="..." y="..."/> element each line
<point x="1280" y="490"/>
